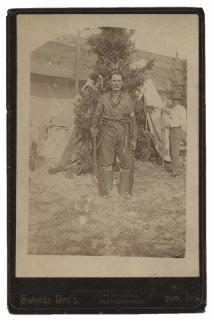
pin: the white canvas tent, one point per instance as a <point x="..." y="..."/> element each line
<point x="156" y="120"/>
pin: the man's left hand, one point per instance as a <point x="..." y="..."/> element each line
<point x="133" y="145"/>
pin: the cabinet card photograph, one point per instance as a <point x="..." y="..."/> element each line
<point x="107" y="165"/>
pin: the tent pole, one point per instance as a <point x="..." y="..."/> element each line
<point x="162" y="142"/>
<point x="77" y="63"/>
<point x="145" y="104"/>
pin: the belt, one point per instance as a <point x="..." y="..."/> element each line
<point x="120" y="121"/>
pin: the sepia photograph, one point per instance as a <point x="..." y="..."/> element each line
<point x="107" y="162"/>
<point x="107" y="145"/>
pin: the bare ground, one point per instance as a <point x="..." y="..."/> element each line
<point x="68" y="217"/>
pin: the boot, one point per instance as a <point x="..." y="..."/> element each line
<point x="107" y="181"/>
<point x="125" y="183"/>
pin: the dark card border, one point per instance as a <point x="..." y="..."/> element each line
<point x="97" y="295"/>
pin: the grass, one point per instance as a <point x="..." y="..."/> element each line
<point x="68" y="217"/>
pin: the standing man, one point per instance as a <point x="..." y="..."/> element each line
<point x="177" y="128"/>
<point x="117" y="137"/>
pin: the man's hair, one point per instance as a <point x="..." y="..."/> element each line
<point x="118" y="73"/>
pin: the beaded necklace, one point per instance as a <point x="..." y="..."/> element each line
<point x="115" y="99"/>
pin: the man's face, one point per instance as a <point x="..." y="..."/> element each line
<point x="170" y="104"/>
<point x="116" y="82"/>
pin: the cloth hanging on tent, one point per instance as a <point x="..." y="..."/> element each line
<point x="60" y="128"/>
<point x="155" y="119"/>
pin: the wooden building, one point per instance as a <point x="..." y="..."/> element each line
<point x="59" y="68"/>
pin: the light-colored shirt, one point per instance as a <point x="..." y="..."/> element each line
<point x="177" y="116"/>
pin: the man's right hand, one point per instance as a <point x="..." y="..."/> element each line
<point x="94" y="132"/>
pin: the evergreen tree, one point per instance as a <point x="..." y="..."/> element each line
<point x="114" y="48"/>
